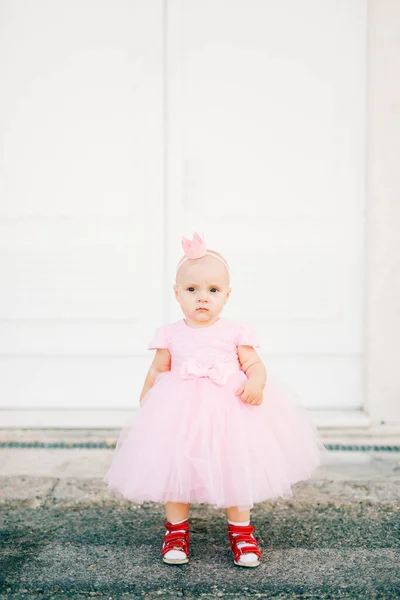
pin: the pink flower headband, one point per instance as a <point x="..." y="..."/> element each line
<point x="196" y="249"/>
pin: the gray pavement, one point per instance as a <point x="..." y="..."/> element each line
<point x="64" y="535"/>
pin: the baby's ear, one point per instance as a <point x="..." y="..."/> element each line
<point x="175" y="290"/>
<point x="228" y="293"/>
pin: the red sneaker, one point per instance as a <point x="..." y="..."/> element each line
<point x="244" y="534"/>
<point x="176" y="540"/>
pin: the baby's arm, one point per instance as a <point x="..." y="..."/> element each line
<point x="161" y="363"/>
<point x="252" y="390"/>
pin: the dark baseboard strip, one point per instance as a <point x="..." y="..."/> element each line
<point x="111" y="445"/>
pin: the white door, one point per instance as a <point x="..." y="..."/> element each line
<point x="127" y="124"/>
<point x="81" y="209"/>
<point x="266" y="108"/>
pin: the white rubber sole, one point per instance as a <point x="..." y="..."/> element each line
<point x="176" y="561"/>
<point x="252" y="564"/>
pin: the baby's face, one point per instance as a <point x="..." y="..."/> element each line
<point x="202" y="289"/>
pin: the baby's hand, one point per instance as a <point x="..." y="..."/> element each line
<point x="251" y="393"/>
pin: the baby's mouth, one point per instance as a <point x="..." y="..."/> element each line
<point x="201" y="308"/>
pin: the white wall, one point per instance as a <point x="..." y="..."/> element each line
<point x="383" y="239"/>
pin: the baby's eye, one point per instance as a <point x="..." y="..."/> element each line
<point x="214" y="290"/>
<point x="190" y="289"/>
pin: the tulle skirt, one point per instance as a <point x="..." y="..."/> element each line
<point x="195" y="441"/>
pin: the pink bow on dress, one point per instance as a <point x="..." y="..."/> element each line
<point x="191" y="369"/>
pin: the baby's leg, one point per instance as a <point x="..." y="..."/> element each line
<point x="176" y="512"/>
<point x="234" y="514"/>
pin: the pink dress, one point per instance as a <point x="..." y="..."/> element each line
<point x="195" y="441"/>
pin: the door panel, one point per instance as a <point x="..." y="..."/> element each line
<point x="267" y="143"/>
<point x="82" y="210"/>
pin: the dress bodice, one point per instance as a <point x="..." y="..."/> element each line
<point x="207" y="346"/>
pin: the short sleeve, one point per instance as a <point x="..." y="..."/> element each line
<point x="246" y="335"/>
<point x="160" y="339"/>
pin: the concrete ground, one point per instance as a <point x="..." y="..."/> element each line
<point x="64" y="535"/>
